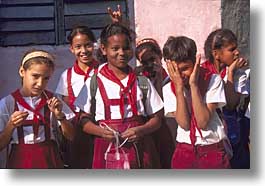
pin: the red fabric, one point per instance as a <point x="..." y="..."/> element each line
<point x="164" y="74"/>
<point x="94" y="64"/>
<point x="189" y="156"/>
<point x="145" y="147"/>
<point x="47" y="131"/>
<point x="125" y="92"/>
<point x="79" y="71"/>
<point x="35" y="156"/>
<point x="79" y="151"/>
<point x="40" y="155"/>
<point x="210" y="67"/>
<point x="71" y="95"/>
<point x="205" y="76"/>
<point x="18" y="97"/>
<point x="202" y="157"/>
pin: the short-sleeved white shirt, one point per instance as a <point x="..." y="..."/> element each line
<point x="215" y="130"/>
<point x="241" y="81"/>
<point x="7" y="106"/>
<point x="153" y="101"/>
<point x="77" y="82"/>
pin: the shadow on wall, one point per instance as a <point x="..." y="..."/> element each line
<point x="10" y="63"/>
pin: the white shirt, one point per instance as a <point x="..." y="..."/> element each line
<point x="241" y="80"/>
<point x="7" y="107"/>
<point x="77" y="82"/>
<point x="215" y="130"/>
<point x="153" y="101"/>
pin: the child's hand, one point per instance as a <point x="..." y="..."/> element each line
<point x="107" y="135"/>
<point x="174" y="75"/>
<point x="133" y="134"/>
<point x="55" y="106"/>
<point x="17" y="118"/>
<point x="196" y="71"/>
<point x="116" y="16"/>
<point x="238" y="63"/>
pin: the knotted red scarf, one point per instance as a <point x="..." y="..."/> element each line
<point x="79" y="71"/>
<point x="124" y="91"/>
<point x="36" y="112"/>
<point x="211" y="68"/>
<point x="205" y="76"/>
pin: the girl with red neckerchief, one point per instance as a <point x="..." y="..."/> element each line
<point x="223" y="57"/>
<point x="78" y="154"/>
<point x="28" y="126"/>
<point x="120" y="110"/>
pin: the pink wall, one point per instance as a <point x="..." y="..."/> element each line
<point x="153" y="18"/>
<point x="162" y="18"/>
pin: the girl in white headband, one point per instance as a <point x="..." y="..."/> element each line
<point x="30" y="115"/>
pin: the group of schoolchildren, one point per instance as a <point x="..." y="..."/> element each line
<point x="107" y="115"/>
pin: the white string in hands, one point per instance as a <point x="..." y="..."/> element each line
<point x="117" y="145"/>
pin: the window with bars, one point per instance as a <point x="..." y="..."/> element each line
<point x="31" y="22"/>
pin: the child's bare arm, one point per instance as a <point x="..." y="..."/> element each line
<point x="55" y="106"/>
<point x="182" y="114"/>
<point x="91" y="128"/>
<point x="116" y="16"/>
<point x="135" y="133"/>
<point x="202" y="111"/>
<point x="15" y="120"/>
<point x="233" y="97"/>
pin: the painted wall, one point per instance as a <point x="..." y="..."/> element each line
<point x="11" y="59"/>
<point x="162" y="18"/>
<point x="150" y="18"/>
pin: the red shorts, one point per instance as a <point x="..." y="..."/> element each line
<point x="211" y="156"/>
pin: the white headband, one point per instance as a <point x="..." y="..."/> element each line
<point x="37" y="54"/>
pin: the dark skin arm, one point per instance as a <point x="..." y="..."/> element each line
<point x="91" y="128"/>
<point x="116" y="16"/>
<point x="233" y="97"/>
<point x="135" y="133"/>
<point x="202" y="111"/>
<point x="182" y="115"/>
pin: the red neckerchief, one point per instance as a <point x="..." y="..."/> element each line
<point x="124" y="91"/>
<point x="36" y="112"/>
<point x="210" y="67"/>
<point x="147" y="74"/>
<point x="205" y="75"/>
<point x="79" y="71"/>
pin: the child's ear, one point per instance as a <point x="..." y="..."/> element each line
<point x="103" y="49"/>
<point x="215" y="54"/>
<point x="21" y="72"/>
<point x="71" y="49"/>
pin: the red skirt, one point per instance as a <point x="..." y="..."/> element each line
<point x="42" y="155"/>
<point x="200" y="157"/>
<point x="142" y="154"/>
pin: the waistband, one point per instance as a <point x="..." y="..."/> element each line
<point x="138" y="119"/>
<point x="202" y="148"/>
<point x="40" y="144"/>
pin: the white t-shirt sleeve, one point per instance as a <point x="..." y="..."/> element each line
<point x="215" y="92"/>
<point x="169" y="99"/>
<point x="242" y="81"/>
<point x="153" y="101"/>
<point x="62" y="84"/>
<point x="83" y="100"/>
<point x="6" y="110"/>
